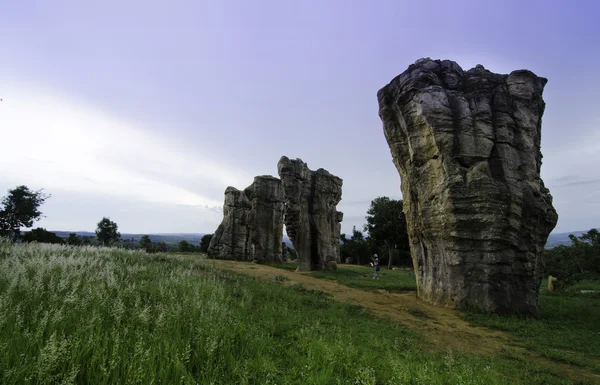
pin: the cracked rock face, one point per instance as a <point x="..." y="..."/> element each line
<point x="252" y="226"/>
<point x="467" y="147"/>
<point x="284" y="252"/>
<point x="311" y="219"/>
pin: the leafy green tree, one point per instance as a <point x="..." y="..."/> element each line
<point x="20" y="208"/>
<point x="41" y="235"/>
<point x="88" y="240"/>
<point x="580" y="260"/>
<point x="161" y="247"/>
<point x="355" y="247"/>
<point x="146" y="243"/>
<point x="74" y="239"/>
<point x="386" y="226"/>
<point x="185" y="247"/>
<point x="205" y="242"/>
<point x="107" y="232"/>
<point x="592" y="238"/>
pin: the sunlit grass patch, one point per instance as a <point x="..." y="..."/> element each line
<point x="362" y="277"/>
<point x="77" y="315"/>
<point x="567" y="331"/>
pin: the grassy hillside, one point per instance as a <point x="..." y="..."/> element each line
<point x="105" y="316"/>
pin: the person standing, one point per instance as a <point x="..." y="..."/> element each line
<point x="377" y="267"/>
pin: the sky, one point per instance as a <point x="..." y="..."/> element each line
<point x="145" y="111"/>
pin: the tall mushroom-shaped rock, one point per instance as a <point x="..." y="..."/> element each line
<point x="252" y="226"/>
<point x="467" y="147"/>
<point x="311" y="219"/>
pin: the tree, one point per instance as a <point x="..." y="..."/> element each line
<point x="205" y="242"/>
<point x="592" y="238"/>
<point x="146" y="243"/>
<point x="161" y="247"/>
<point x="580" y="260"/>
<point x="74" y="239"/>
<point x="106" y="232"/>
<point x="386" y="225"/>
<point x="185" y="247"/>
<point x="42" y="235"/>
<point x="355" y="247"/>
<point x="88" y="240"/>
<point x="20" y="208"/>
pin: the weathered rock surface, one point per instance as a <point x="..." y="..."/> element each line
<point x="231" y="239"/>
<point x="311" y="219"/>
<point x="252" y="226"/>
<point x="467" y="147"/>
<point x="284" y="252"/>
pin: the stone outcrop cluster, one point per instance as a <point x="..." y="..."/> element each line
<point x="252" y="226"/>
<point x="311" y="219"/>
<point x="467" y="147"/>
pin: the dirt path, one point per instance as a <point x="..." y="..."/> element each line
<point x="442" y="328"/>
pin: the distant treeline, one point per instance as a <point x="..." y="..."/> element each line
<point x="575" y="262"/>
<point x="170" y="239"/>
<point x="150" y="243"/>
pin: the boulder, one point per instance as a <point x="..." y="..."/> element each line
<point x="311" y="219"/>
<point x="252" y="226"/>
<point x="467" y="147"/>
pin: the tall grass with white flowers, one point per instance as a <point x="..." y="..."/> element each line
<point x="86" y="315"/>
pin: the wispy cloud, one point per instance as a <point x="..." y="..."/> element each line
<point x="57" y="143"/>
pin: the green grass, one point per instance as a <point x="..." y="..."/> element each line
<point x="362" y="277"/>
<point x="584" y="285"/>
<point x="567" y="331"/>
<point x="82" y="315"/>
<point x="290" y="266"/>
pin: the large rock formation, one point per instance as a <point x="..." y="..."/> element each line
<point x="252" y="226"/>
<point x="467" y="147"/>
<point x="284" y="252"/>
<point x="311" y="219"/>
<point x="232" y="238"/>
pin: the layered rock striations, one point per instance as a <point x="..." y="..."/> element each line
<point x="467" y="147"/>
<point x="231" y="239"/>
<point x="252" y="226"/>
<point x="311" y="219"/>
<point x="266" y="218"/>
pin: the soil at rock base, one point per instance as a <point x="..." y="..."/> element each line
<point x="442" y="329"/>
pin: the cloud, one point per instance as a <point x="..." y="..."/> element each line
<point x="577" y="183"/>
<point x="57" y="143"/>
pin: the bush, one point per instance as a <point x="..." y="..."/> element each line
<point x="41" y="235"/>
<point x="579" y="261"/>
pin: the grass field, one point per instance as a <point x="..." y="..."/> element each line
<point x="362" y="277"/>
<point x="81" y="315"/>
<point x="568" y="329"/>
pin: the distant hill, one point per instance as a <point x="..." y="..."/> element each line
<point x="194" y="238"/>
<point x="168" y="238"/>
<point x="562" y="238"/>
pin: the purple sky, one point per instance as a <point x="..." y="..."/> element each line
<point x="144" y="111"/>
